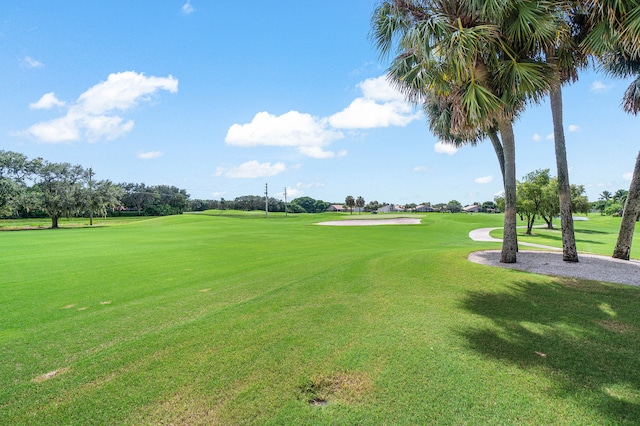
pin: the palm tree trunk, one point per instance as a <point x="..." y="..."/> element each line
<point x="569" y="251"/>
<point x="510" y="237"/>
<point x="630" y="216"/>
<point x="497" y="146"/>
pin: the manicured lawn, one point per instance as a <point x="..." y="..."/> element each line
<point x="596" y="235"/>
<point x="238" y="319"/>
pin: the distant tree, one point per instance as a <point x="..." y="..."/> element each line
<point x="530" y="196"/>
<point x="454" y="206"/>
<point x="489" y="206"/>
<point x="138" y="196"/>
<point x="60" y="186"/>
<point x="320" y="206"/>
<point x="372" y="206"/>
<point x="620" y="197"/>
<point x="306" y="203"/>
<point x="360" y="204"/>
<point x="350" y="202"/>
<point x="605" y="195"/>
<point x="579" y="201"/>
<point x="14" y="167"/>
<point x="102" y="197"/>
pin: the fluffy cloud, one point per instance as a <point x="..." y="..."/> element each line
<point x="380" y="106"/>
<point x="251" y="169"/>
<point x="294" y="129"/>
<point x="574" y="128"/>
<point x="151" y="155"/>
<point x="550" y="137"/>
<point x="444" y="148"/>
<point x="47" y="101"/>
<point x="484" y="179"/>
<point x="92" y="116"/>
<point x="600" y="87"/>
<point x="536" y="137"/>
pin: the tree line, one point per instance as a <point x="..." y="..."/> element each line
<point x="474" y="67"/>
<point x="37" y="188"/>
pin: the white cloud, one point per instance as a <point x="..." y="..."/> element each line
<point x="151" y="155"/>
<point x="574" y="128"/>
<point x="380" y="106"/>
<point x="92" y="115"/>
<point x="484" y="179"/>
<point x="420" y="169"/>
<point x="294" y="129"/>
<point x="536" y="137"/>
<point x="444" y="148"/>
<point x="47" y="101"/>
<point x="550" y="137"/>
<point x="187" y="8"/>
<point x="600" y="87"/>
<point x="627" y="176"/>
<point x="251" y="169"/>
<point x="29" y="62"/>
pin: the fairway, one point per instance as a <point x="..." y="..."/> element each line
<point x="240" y="319"/>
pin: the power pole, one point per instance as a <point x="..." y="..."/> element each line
<point x="286" y="213"/>
<point x="90" y="197"/>
<point x="266" y="200"/>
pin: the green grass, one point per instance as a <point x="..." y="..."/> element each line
<point x="596" y="235"/>
<point x="216" y="319"/>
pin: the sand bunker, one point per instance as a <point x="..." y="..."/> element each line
<point x="370" y="222"/>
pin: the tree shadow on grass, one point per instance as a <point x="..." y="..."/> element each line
<point x="584" y="333"/>
<point x="558" y="237"/>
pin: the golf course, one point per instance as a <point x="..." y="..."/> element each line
<point x="228" y="317"/>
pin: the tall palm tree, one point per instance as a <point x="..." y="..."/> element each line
<point x="459" y="53"/>
<point x="614" y="38"/>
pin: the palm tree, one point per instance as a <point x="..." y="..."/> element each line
<point x="360" y="204"/>
<point x="459" y="53"/>
<point x="614" y="38"/>
<point x="605" y="195"/>
<point x="350" y="202"/>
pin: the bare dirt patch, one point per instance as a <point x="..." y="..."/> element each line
<point x="372" y="222"/>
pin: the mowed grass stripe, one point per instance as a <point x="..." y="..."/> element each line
<point x="229" y="320"/>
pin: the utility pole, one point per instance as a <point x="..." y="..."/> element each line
<point x="286" y="213"/>
<point x="90" y="197"/>
<point x="266" y="200"/>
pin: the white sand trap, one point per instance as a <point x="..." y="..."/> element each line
<point x="370" y="222"/>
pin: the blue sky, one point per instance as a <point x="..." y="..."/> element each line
<point x="220" y="98"/>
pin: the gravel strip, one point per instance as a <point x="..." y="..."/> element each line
<point x="590" y="267"/>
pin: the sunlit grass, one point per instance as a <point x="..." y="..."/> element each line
<point x="236" y="319"/>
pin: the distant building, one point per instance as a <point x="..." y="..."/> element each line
<point x="335" y="208"/>
<point x="423" y="208"/>
<point x="474" y="208"/>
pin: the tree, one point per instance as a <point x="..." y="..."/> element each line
<point x="60" y="186"/>
<point x="350" y="203"/>
<point x="454" y="206"/>
<point x="14" y="167"/>
<point x="103" y="196"/>
<point x="138" y="196"/>
<point x="531" y="196"/>
<point x="629" y="216"/>
<point x="472" y="57"/>
<point x="360" y="204"/>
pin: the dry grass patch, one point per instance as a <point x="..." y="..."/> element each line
<point x="616" y="326"/>
<point x="342" y="388"/>
<point x="50" y="375"/>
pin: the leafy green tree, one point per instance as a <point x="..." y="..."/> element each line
<point x="61" y="189"/>
<point x="454" y="206"/>
<point x="306" y="203"/>
<point x="14" y="168"/>
<point x="350" y="202"/>
<point x="103" y="196"/>
<point x="531" y="196"/>
<point x="477" y="60"/>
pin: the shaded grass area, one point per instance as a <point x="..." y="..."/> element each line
<point x="203" y="319"/>
<point x="597" y="235"/>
